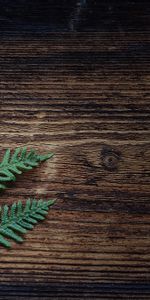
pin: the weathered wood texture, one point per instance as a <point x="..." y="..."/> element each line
<point x="85" y="97"/>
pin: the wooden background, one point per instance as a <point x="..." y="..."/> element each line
<point x="75" y="15"/>
<point x="84" y="96"/>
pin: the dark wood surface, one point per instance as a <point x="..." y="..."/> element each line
<point x="75" y="15"/>
<point x="85" y="97"/>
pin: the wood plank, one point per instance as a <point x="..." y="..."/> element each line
<point x="86" y="98"/>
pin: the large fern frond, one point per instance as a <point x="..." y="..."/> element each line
<point x="17" y="219"/>
<point x="21" y="160"/>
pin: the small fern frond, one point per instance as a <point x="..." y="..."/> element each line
<point x="21" y="160"/>
<point x="18" y="219"/>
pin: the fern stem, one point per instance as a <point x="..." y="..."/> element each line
<point x="18" y="219"/>
<point x="21" y="160"/>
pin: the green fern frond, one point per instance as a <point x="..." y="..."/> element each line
<point x="21" y="160"/>
<point x="17" y="220"/>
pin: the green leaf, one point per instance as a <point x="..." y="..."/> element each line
<point x="6" y="157"/>
<point x="20" y="161"/>
<point x="18" y="219"/>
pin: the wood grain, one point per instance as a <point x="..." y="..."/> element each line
<point x="85" y="97"/>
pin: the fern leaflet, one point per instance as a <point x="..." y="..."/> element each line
<point x="17" y="219"/>
<point x="21" y="160"/>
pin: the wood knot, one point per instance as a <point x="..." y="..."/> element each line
<point x="110" y="158"/>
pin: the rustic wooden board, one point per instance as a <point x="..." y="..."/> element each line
<point x="85" y="97"/>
